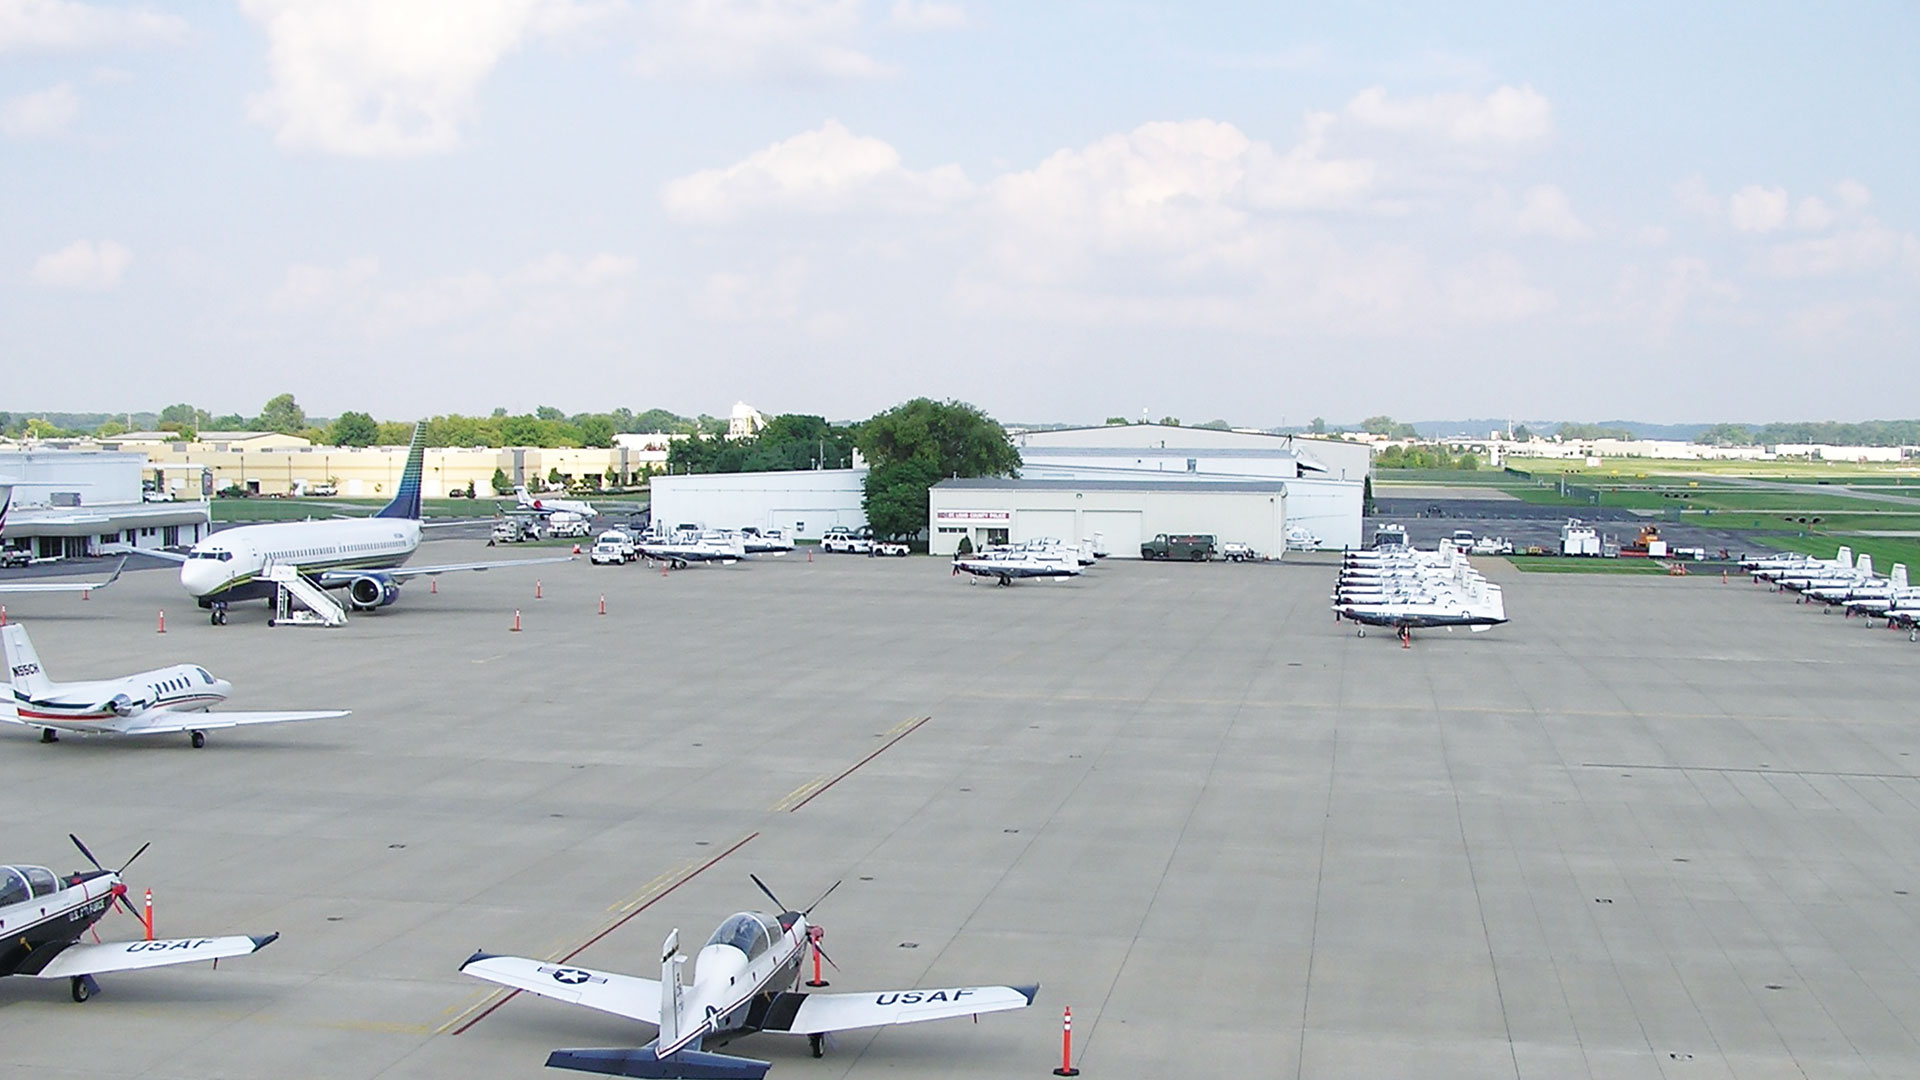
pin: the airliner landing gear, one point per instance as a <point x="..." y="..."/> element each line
<point x="199" y="739"/>
<point x="217" y="613"/>
<point x="47" y="734"/>
<point x="83" y="987"/>
<point x="813" y="1043"/>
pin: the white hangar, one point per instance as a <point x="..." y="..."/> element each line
<point x="1116" y="513"/>
<point x="804" y="503"/>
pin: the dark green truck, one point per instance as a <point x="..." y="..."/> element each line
<point x="1191" y="547"/>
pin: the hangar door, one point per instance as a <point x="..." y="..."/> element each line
<point x="1118" y="531"/>
<point x="1035" y="524"/>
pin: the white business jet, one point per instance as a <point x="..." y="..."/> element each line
<point x="745" y="980"/>
<point x="164" y="701"/>
<point x="364" y="556"/>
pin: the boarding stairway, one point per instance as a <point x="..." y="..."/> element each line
<point x="290" y="585"/>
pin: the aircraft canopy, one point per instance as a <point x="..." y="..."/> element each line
<point x="750" y="932"/>
<point x="18" y="884"/>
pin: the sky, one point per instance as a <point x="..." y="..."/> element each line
<point x="1060" y="211"/>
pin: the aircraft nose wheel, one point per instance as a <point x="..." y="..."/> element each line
<point x="199" y="739"/>
<point x="814" y="1044"/>
<point x="48" y="735"/>
<point x="83" y="987"/>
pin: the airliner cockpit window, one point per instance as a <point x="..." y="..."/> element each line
<point x="204" y="677"/>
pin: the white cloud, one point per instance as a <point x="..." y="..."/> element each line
<point x="1542" y="210"/>
<point x="1494" y="289"/>
<point x="1693" y="196"/>
<point x="818" y="171"/>
<point x="389" y="77"/>
<point x="1813" y="214"/>
<point x="41" y="113"/>
<point x="1864" y="244"/>
<point x="1507" y="115"/>
<point x="755" y="39"/>
<point x="310" y="286"/>
<point x="927" y="15"/>
<point x="67" y="25"/>
<point x="1757" y="209"/>
<point x="1853" y="194"/>
<point x="83" y="265"/>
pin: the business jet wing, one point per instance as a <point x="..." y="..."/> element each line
<point x="62" y="586"/>
<point x="817" y="1014"/>
<point x="172" y="723"/>
<point x="621" y="995"/>
<point x="416" y="571"/>
<point x="76" y="960"/>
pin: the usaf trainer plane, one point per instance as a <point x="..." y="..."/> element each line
<point x="1009" y="564"/>
<point x="43" y="917"/>
<point x="364" y="556"/>
<point x="745" y="980"/>
<point x="164" y="701"/>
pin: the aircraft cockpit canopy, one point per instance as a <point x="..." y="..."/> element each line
<point x="749" y="932"/>
<point x="18" y="884"/>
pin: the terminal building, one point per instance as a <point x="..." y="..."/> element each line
<point x="69" y="504"/>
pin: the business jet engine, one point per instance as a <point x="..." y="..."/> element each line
<point x="125" y="705"/>
<point x="369" y="591"/>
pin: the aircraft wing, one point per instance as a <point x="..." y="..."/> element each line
<point x="621" y="995"/>
<point x="815" y="1014"/>
<point x="167" y="723"/>
<point x="416" y="571"/>
<point x="136" y="955"/>
<point x="62" y="586"/>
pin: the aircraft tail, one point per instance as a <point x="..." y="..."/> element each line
<point x="671" y="963"/>
<point x="1865" y="566"/>
<point x="28" y="676"/>
<point x="406" y="498"/>
<point x="1899" y="575"/>
<point x="1845" y="557"/>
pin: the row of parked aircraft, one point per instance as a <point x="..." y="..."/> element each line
<point x="1846" y="582"/>
<point x="1398" y="586"/>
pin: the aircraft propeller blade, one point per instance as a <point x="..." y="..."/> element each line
<point x="84" y="851"/>
<point x="769" y="892"/>
<point x="137" y="854"/>
<point x="824" y="956"/>
<point x="822" y="896"/>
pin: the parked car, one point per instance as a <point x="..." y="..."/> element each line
<point x="844" y="541"/>
<point x="15" y="557"/>
<point x="890" y="549"/>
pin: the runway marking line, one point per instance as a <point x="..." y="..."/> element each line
<point x="459" y="1028"/>
<point x="899" y="731"/>
<point x="1751" y="770"/>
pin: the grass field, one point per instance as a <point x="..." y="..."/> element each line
<point x="1809" y="471"/>
<point x="1885" y="550"/>
<point x="1575" y="564"/>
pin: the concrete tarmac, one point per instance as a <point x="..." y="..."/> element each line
<point x="1653" y="828"/>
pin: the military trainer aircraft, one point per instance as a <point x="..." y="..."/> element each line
<point x="1009" y="564"/>
<point x="745" y="980"/>
<point x="43" y="917"/>
<point x="163" y="701"/>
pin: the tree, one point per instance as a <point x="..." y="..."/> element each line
<point x="502" y="485"/>
<point x="229" y="422"/>
<point x="555" y="479"/>
<point x="394" y="433"/>
<point x="184" y="415"/>
<point x="1377" y="425"/>
<point x="38" y="428"/>
<point x="110" y="429"/>
<point x="1169" y="421"/>
<point x="522" y="430"/>
<point x="1366" y="494"/>
<point x="912" y="446"/>
<point x="1216" y="425"/>
<point x="1318" y="426"/>
<point x="353" y="429"/>
<point x="595" y="430"/>
<point x="1726" y="435"/>
<point x="613" y="476"/>
<point x="1522" y="433"/>
<point x="1121" y="420"/>
<point x="548" y="412"/>
<point x="1467" y="462"/>
<point x="281" y="413"/>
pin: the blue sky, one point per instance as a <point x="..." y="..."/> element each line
<point x="1256" y="212"/>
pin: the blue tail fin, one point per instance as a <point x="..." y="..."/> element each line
<point x="406" y="498"/>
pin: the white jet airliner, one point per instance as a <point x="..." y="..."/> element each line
<point x="364" y="556"/>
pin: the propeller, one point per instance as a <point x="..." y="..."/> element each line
<point x="120" y="897"/>
<point x="769" y="892"/>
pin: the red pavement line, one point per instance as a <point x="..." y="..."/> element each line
<point x="463" y="1028"/>
<point x="883" y="749"/>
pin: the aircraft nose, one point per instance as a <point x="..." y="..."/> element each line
<point x="223" y="688"/>
<point x="200" y="576"/>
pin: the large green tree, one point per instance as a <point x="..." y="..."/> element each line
<point x="353" y="429"/>
<point x="913" y="446"/>
<point x="281" y="413"/>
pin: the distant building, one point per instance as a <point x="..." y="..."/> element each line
<point x="745" y="422"/>
<point x="71" y="503"/>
